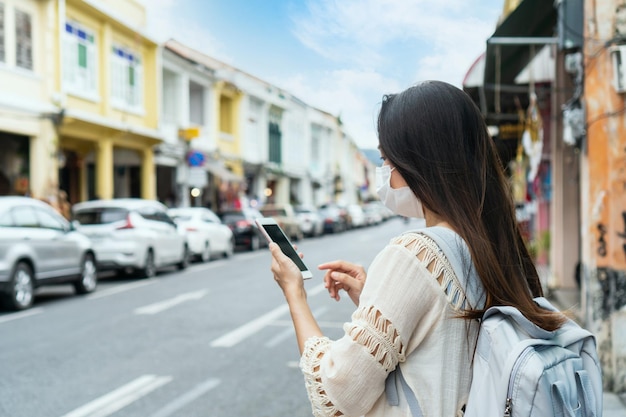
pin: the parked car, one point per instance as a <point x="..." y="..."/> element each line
<point x="335" y="218"/>
<point x="39" y="247"/>
<point x="285" y="216"/>
<point x="132" y="235"/>
<point x="310" y="220"/>
<point x="384" y="211"/>
<point x="357" y="216"/>
<point x="207" y="236"/>
<point x="373" y="214"/>
<point x="245" y="230"/>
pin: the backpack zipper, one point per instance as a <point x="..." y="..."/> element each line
<point x="508" y="407"/>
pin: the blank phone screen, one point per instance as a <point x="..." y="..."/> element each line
<point x="280" y="239"/>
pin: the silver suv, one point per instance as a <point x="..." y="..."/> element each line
<point x="39" y="247"/>
<point x="132" y="235"/>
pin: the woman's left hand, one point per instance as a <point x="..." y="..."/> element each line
<point x="286" y="272"/>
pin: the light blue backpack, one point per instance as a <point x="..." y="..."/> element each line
<point x="522" y="370"/>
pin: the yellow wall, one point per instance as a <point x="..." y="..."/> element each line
<point x="228" y="132"/>
<point x="108" y="32"/>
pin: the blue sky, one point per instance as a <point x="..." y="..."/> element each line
<point x="340" y="56"/>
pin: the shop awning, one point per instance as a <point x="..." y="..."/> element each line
<point x="515" y="42"/>
<point x="218" y="169"/>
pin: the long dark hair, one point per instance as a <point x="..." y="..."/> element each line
<point x="437" y="139"/>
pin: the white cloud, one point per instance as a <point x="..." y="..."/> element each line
<point x="164" y="22"/>
<point x="430" y="39"/>
<point x="354" y="95"/>
<point x="365" y="32"/>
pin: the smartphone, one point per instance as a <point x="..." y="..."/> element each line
<point x="273" y="233"/>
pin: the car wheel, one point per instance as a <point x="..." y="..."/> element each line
<point x="205" y="256"/>
<point x="88" y="276"/>
<point x="254" y="243"/>
<point x="184" y="263"/>
<point x="149" y="269"/>
<point x="21" y="291"/>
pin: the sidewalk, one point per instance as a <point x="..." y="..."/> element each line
<point x="613" y="405"/>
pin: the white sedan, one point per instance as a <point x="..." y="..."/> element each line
<point x="207" y="236"/>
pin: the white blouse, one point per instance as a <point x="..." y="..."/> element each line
<point x="408" y="314"/>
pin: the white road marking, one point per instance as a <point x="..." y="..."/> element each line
<point x="280" y="337"/>
<point x="287" y="333"/>
<point x="118" y="289"/>
<point x="293" y="364"/>
<point x="21" y="314"/>
<point x="164" y="305"/>
<point x="248" y="329"/>
<point x="187" y="398"/>
<point x="121" y="397"/>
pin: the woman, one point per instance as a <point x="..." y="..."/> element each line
<point x="417" y="309"/>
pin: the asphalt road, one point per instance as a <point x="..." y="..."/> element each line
<point x="214" y="340"/>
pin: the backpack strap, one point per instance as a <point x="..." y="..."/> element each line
<point x="528" y="326"/>
<point x="391" y="390"/>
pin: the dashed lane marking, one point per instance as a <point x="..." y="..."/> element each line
<point x="183" y="400"/>
<point x="121" y="397"/>
<point x="172" y="302"/>
<point x="250" y="328"/>
<point x="287" y="333"/>
<point x="119" y="288"/>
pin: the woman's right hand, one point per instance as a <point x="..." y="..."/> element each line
<point x="342" y="275"/>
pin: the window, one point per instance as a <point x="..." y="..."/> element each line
<point x="49" y="221"/>
<point x="275" y="137"/>
<point x="126" y="79"/>
<point x="79" y="59"/>
<point x="316" y="138"/>
<point x="25" y="217"/>
<point x="2" y="57"/>
<point x="23" y="40"/>
<point x="196" y="103"/>
<point x="170" y="97"/>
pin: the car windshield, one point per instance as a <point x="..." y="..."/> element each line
<point x="100" y="215"/>
<point x="232" y="217"/>
<point x="181" y="217"/>
<point x="273" y="212"/>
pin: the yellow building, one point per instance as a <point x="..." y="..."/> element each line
<point x="106" y="75"/>
<point x="27" y="134"/>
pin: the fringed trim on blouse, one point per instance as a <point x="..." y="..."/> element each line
<point x="370" y="329"/>
<point x="314" y="349"/>
<point x="433" y="258"/>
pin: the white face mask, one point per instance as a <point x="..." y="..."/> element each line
<point x="401" y="200"/>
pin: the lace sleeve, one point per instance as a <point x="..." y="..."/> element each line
<point x="380" y="347"/>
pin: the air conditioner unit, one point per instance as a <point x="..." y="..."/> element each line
<point x="618" y="57"/>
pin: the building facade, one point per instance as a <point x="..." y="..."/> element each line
<point x="106" y="72"/>
<point x="28" y="119"/>
<point x="582" y="169"/>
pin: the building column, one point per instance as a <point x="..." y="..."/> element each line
<point x="44" y="174"/>
<point x="148" y="175"/>
<point x="82" y="177"/>
<point x="104" y="169"/>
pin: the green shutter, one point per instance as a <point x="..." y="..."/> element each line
<point x="82" y="56"/>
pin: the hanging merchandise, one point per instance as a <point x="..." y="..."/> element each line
<point x="532" y="138"/>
